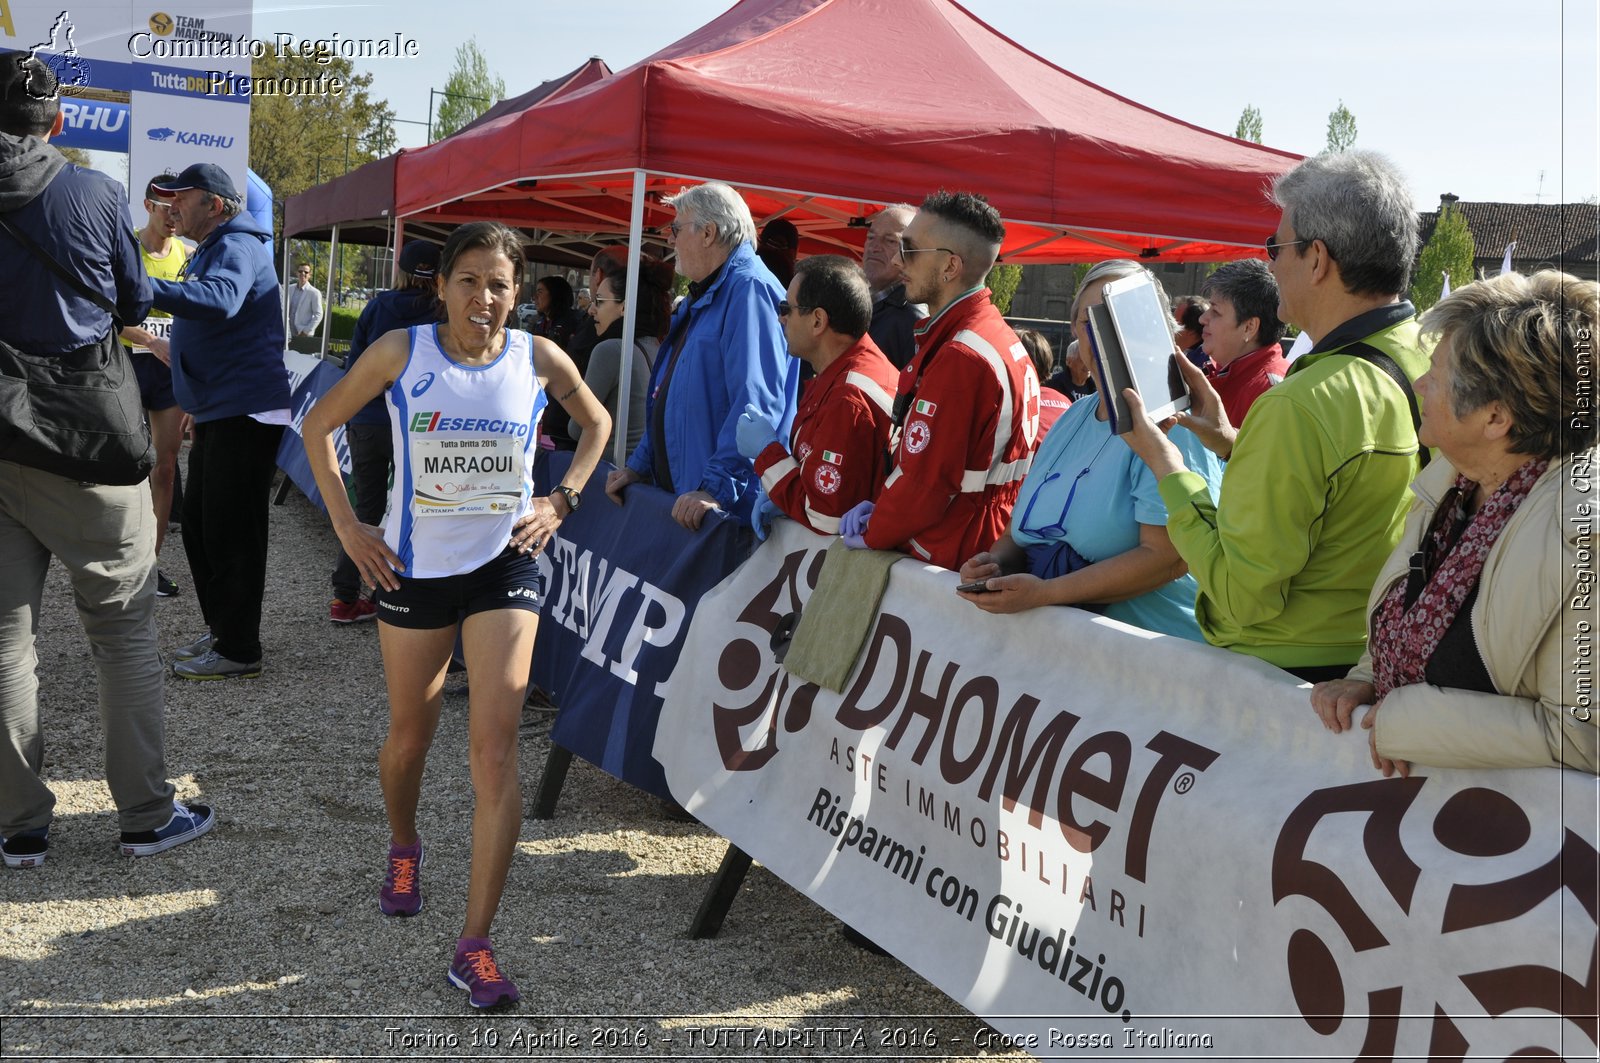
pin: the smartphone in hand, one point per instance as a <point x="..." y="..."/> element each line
<point x="980" y="587"/>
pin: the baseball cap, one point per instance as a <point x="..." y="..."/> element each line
<point x="206" y="176"/>
<point x="420" y="258"/>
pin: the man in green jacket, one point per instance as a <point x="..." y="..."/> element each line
<point x="1313" y="498"/>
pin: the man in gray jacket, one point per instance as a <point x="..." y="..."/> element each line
<point x="104" y="536"/>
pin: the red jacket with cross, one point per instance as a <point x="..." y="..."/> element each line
<point x="838" y="451"/>
<point x="968" y="438"/>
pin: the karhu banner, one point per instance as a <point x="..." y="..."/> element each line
<point x="1109" y="843"/>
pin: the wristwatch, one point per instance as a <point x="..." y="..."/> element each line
<point x="574" y="500"/>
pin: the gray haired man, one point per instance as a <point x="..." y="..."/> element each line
<point x="724" y="351"/>
<point x="1314" y="496"/>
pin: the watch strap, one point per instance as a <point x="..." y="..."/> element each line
<point x="574" y="499"/>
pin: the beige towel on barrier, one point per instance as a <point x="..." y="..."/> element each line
<point x="838" y="617"/>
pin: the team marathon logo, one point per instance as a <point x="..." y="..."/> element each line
<point x="1346" y="986"/>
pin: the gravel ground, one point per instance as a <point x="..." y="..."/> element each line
<point x="264" y="939"/>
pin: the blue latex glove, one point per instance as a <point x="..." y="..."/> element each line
<point x="762" y="516"/>
<point x="853" y="525"/>
<point x="753" y="433"/>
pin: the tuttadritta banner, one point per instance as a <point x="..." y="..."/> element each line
<point x="621" y="587"/>
<point x="182" y="111"/>
<point x="85" y="42"/>
<point x="1114" y="844"/>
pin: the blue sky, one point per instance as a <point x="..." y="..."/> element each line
<point x="1475" y="98"/>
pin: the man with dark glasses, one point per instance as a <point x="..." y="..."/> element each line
<point x="1314" y="495"/>
<point x="968" y="403"/>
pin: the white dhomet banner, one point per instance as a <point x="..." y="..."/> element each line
<point x="1107" y="842"/>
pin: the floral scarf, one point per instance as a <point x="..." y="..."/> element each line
<point x="1416" y="613"/>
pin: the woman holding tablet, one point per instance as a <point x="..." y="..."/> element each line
<point x="1089" y="527"/>
<point x="464" y="398"/>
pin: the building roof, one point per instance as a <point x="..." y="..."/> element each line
<point x="1545" y="232"/>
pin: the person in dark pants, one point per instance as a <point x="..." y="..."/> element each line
<point x="368" y="434"/>
<point x="228" y="373"/>
<point x="103" y="535"/>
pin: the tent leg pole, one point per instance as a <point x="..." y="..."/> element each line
<point x="625" y="381"/>
<point x="554" y="778"/>
<point x="719" y="897"/>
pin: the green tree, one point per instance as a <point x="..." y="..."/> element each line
<point x="470" y="90"/>
<point x="301" y="140"/>
<point x="1341" y="129"/>
<point x="1449" y="250"/>
<point x="1249" y="127"/>
<point x="1002" y="282"/>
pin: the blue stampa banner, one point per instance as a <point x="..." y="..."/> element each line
<point x="621" y="586"/>
<point x="309" y="380"/>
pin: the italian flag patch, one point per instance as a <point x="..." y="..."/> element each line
<point x="925" y="408"/>
<point x="833" y="457"/>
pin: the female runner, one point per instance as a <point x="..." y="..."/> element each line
<point x="464" y="397"/>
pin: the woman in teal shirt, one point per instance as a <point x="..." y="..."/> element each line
<point x="1089" y="527"/>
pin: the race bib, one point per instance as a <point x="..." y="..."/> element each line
<point x="466" y="476"/>
<point x="159" y="327"/>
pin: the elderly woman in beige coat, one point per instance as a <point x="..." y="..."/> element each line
<point x="1481" y="629"/>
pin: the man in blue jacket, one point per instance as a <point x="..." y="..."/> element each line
<point x="103" y="535"/>
<point x="724" y="351"/>
<point x="228" y="373"/>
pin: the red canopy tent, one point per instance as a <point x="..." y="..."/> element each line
<point x="822" y="109"/>
<point x="361" y="203"/>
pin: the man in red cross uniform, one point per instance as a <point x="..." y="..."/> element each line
<point x="838" y="453"/>
<point x="968" y="402"/>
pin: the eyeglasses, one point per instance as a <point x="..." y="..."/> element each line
<point x="907" y="249"/>
<point x="1273" y="247"/>
<point x="678" y="226"/>
<point x="784" y="308"/>
<point x="1059" y="528"/>
<point x="604" y="299"/>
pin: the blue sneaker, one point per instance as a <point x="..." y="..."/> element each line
<point x="26" y="848"/>
<point x="188" y="822"/>
<point x="213" y="665"/>
<point x="199" y="647"/>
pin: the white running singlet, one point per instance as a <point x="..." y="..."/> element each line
<point x="464" y="442"/>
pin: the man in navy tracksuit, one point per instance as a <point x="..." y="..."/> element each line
<point x="228" y="373"/>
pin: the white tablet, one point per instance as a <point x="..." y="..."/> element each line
<point x="1144" y="329"/>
